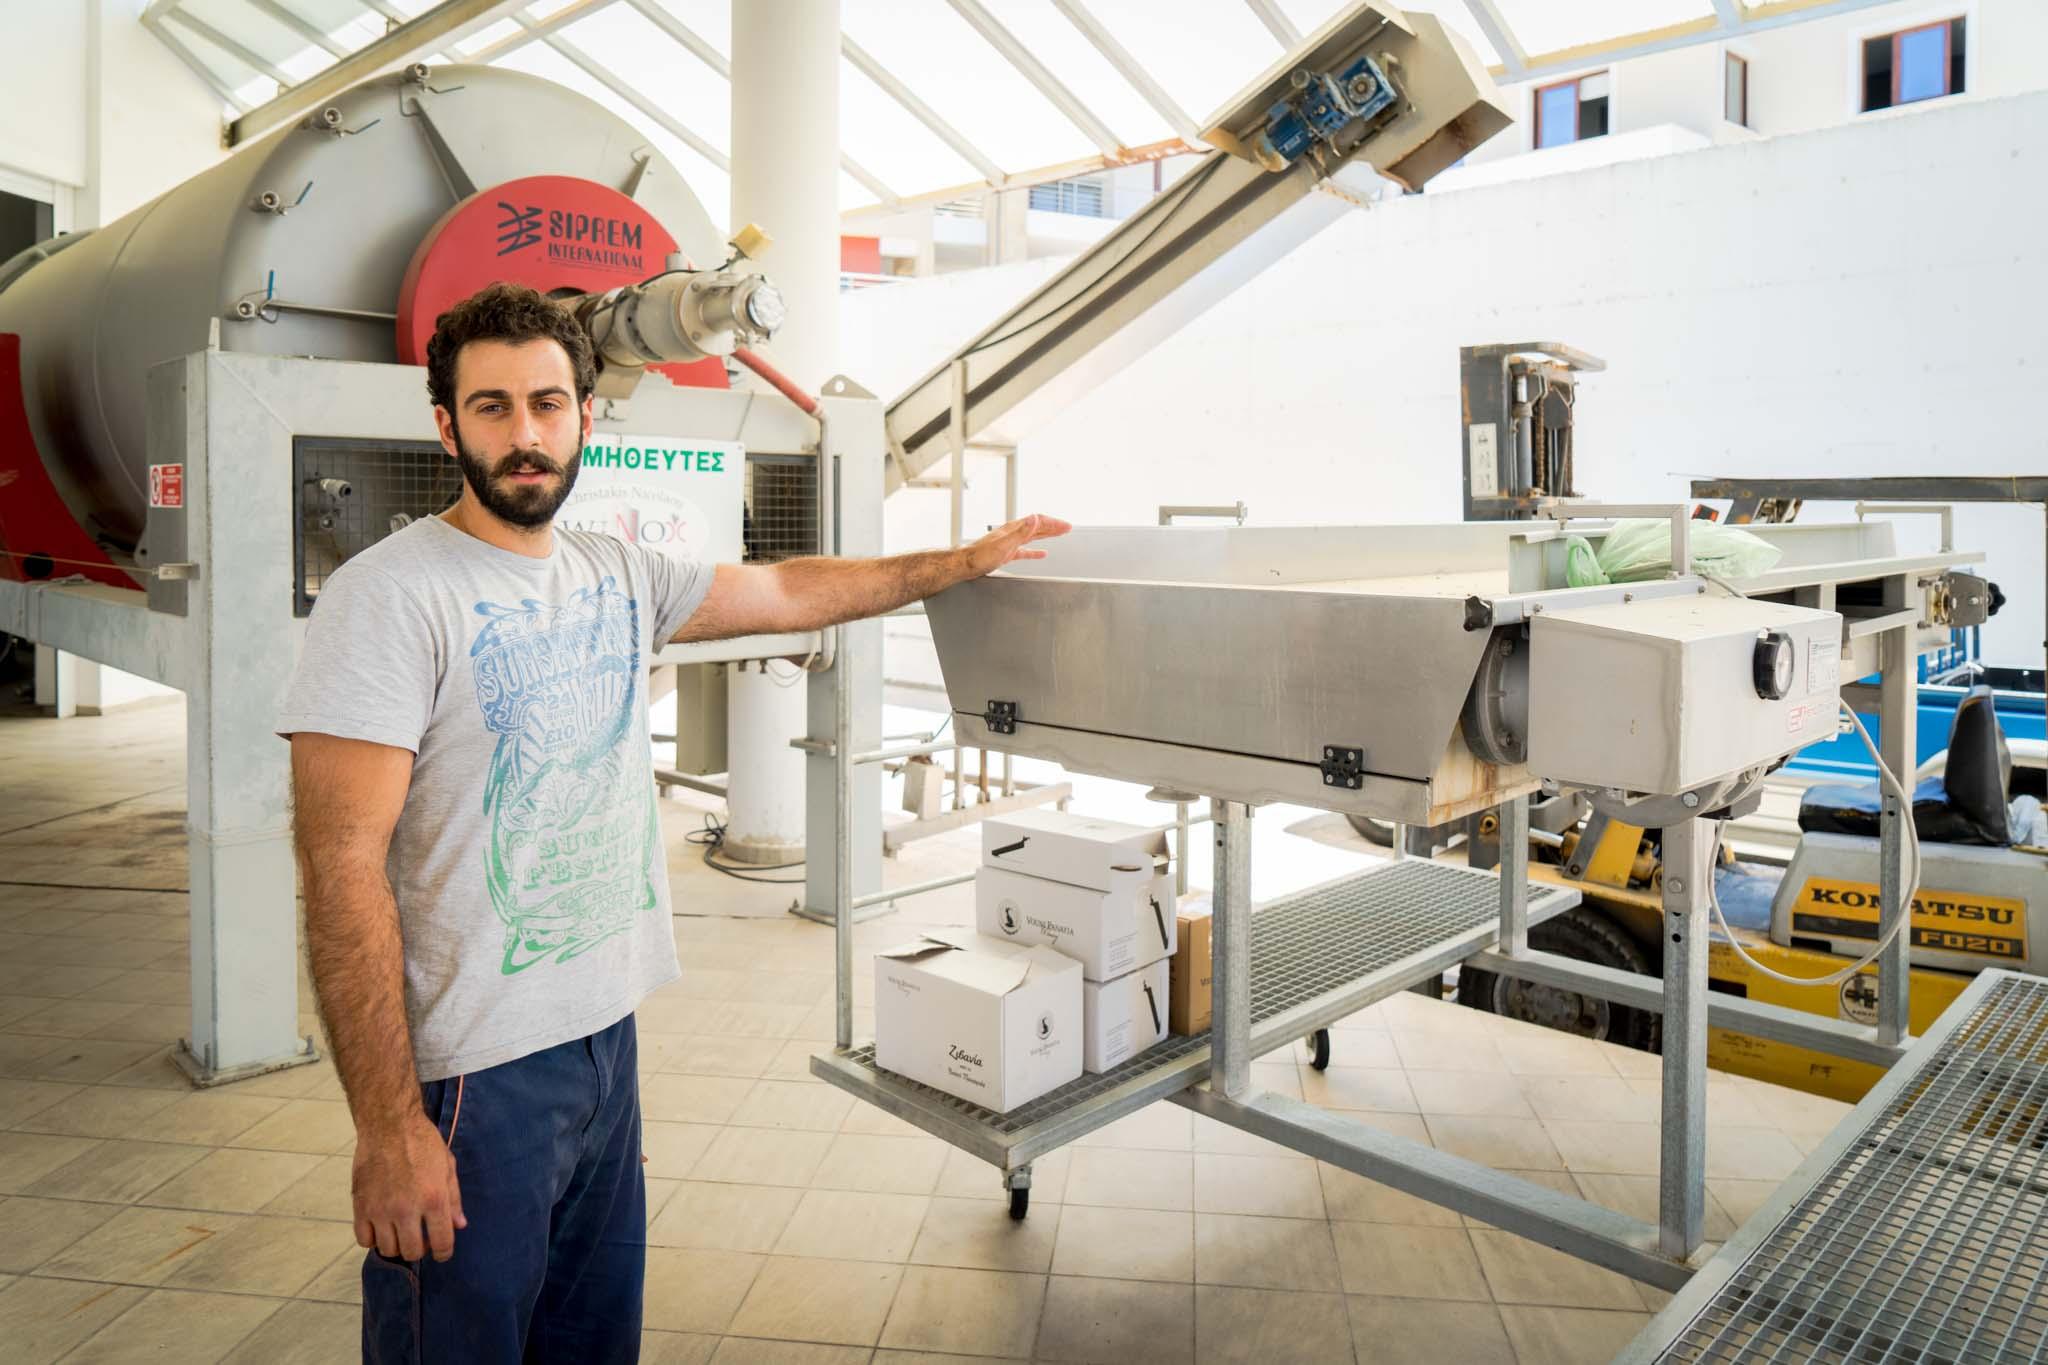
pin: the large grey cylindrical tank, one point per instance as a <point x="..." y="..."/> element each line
<point x="360" y="189"/>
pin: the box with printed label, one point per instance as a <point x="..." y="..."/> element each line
<point x="1192" y="972"/>
<point x="1109" y="932"/>
<point x="1124" y="1016"/>
<point x="1073" y="849"/>
<point x="997" y="1024"/>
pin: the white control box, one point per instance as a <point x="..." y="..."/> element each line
<point x="1658" y="697"/>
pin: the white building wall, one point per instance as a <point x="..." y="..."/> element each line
<point x="99" y="108"/>
<point x="1801" y="76"/>
<point x="43" y="100"/>
<point x="1845" y="302"/>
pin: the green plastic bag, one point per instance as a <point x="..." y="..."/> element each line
<point x="1639" y="550"/>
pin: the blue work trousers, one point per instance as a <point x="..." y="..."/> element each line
<point x="552" y="1264"/>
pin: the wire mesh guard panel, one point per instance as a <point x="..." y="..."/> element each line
<point x="1928" y="1239"/>
<point x="348" y="493"/>
<point x="782" y="507"/>
<point x="1303" y="946"/>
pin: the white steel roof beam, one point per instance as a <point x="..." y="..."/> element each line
<point x="1277" y="24"/>
<point x="921" y="111"/>
<point x="1015" y="53"/>
<point x="536" y="30"/>
<point x="310" y="32"/>
<point x="447" y="23"/>
<point x="255" y="61"/>
<point x="193" y="63"/>
<point x="703" y="51"/>
<point x="1486" y="14"/>
<point x="604" y="76"/>
<point x="1730" y="14"/>
<point x="1126" y="66"/>
<point x="395" y="16"/>
<point x="675" y="28"/>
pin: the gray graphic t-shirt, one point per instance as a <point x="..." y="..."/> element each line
<point x="528" y="866"/>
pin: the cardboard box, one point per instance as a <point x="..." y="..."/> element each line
<point x="1189" y="996"/>
<point x="1109" y="932"/>
<point x="1074" y="849"/>
<point x="1124" y="1016"/>
<point x="996" y="1024"/>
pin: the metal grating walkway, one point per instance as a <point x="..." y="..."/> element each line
<point x="1926" y="1239"/>
<point x="1344" y="944"/>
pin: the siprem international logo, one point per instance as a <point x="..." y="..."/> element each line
<point x="520" y="227"/>
<point x="573" y="238"/>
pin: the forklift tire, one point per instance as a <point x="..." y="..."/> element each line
<point x="1588" y="936"/>
<point x="1373" y="831"/>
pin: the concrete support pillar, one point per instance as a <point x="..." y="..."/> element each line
<point x="785" y="177"/>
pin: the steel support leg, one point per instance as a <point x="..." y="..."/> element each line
<point x="1230" y="999"/>
<point x="1514" y="876"/>
<point x="1898" y="708"/>
<point x="1682" y="1158"/>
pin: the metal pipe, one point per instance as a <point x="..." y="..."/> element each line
<point x="915" y="889"/>
<point x="1898" y="728"/>
<point x="842" y="844"/>
<point x="778" y="381"/>
<point x="1946" y="511"/>
<point x="1169" y="512"/>
<point x="885" y="755"/>
<point x="669" y="777"/>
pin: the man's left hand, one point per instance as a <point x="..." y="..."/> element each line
<point x="1012" y="541"/>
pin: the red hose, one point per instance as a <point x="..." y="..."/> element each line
<point x="781" y="382"/>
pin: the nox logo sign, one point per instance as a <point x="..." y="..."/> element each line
<point x="519" y="228"/>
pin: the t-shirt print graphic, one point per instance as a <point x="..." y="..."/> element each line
<point x="568" y="826"/>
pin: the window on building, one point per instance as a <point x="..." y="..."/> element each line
<point x="1735" y="90"/>
<point x="1084" y="197"/>
<point x="1914" y="64"/>
<point x="1572" y="111"/>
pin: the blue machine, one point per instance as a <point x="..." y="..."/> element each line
<point x="1321" y="106"/>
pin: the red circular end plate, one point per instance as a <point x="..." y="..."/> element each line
<point x="550" y="232"/>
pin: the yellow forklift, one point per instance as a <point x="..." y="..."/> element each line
<point x="1984" y="879"/>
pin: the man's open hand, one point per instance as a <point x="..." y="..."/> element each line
<point x="1012" y="541"/>
<point x="405" y="1182"/>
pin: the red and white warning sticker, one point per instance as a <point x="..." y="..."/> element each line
<point x="167" y="485"/>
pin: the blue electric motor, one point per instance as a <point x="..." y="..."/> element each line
<point x="1320" y="107"/>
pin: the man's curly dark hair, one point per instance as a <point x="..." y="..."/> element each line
<point x="505" y="312"/>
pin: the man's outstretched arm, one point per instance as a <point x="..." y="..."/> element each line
<point x="810" y="594"/>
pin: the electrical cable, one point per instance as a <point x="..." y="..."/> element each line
<point x="1911" y="889"/>
<point x="712" y="837"/>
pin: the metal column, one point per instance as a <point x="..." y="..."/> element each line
<point x="1682" y="1157"/>
<point x="1230" y="989"/>
<point x="1898" y="718"/>
<point x="785" y="176"/>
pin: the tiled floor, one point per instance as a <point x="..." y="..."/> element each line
<point x="140" y="1219"/>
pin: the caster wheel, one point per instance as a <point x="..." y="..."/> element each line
<point x="1318" y="1044"/>
<point x="1020" y="1204"/>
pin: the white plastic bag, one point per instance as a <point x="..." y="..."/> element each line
<point x="1639" y="550"/>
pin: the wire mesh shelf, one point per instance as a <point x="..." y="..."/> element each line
<point x="1340" y="946"/>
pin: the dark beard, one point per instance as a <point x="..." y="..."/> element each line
<point x="528" y="506"/>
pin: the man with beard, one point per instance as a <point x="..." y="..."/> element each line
<point x="486" y="890"/>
